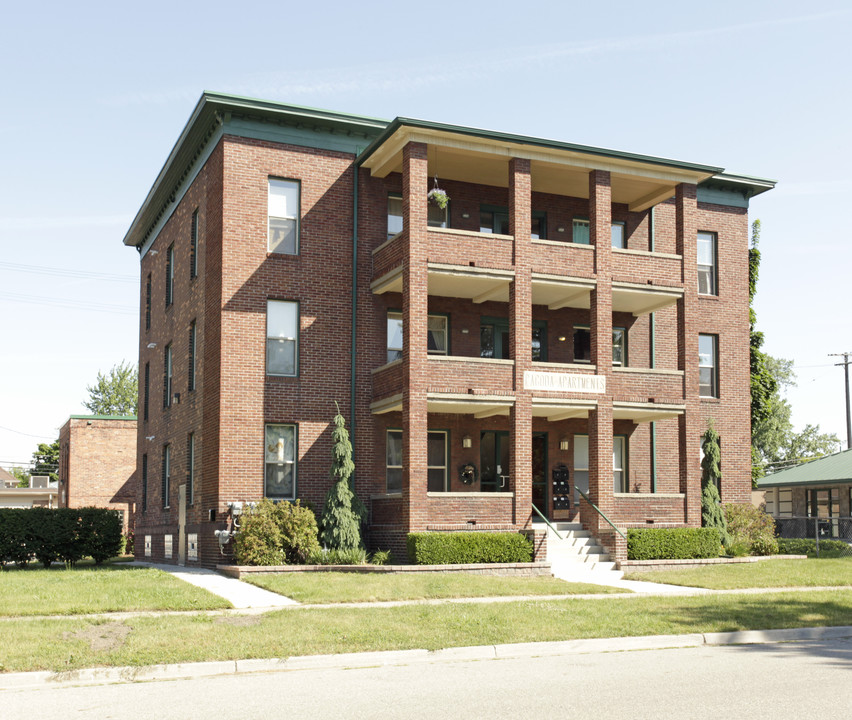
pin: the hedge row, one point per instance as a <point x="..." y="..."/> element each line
<point x="468" y="547"/>
<point x="62" y="534"/>
<point x="807" y="546"/>
<point x="672" y="543"/>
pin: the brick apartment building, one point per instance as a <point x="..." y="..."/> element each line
<point x="569" y="322"/>
<point x="97" y="463"/>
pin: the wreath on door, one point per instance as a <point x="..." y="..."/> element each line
<point x="467" y="473"/>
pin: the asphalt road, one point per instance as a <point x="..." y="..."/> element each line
<point x="790" y="680"/>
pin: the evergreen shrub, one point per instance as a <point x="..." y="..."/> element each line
<point x="435" y="548"/>
<point x="672" y="543"/>
<point x="276" y="534"/>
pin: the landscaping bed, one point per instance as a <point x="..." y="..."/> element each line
<point x="533" y="569"/>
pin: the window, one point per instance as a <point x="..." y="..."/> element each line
<point x="435" y="216"/>
<point x="283" y="209"/>
<point x="619" y="347"/>
<point x="280" y="461"/>
<point x="146" y="391"/>
<point x="393" y="461"/>
<point x="825" y="505"/>
<point x="708" y="371"/>
<point x="170" y="275"/>
<point x="436" y="461"/>
<point x="619" y="464"/>
<point x="581" y="466"/>
<point x="282" y="337"/>
<point x="192" y="341"/>
<point x="580" y="231"/>
<point x="494" y="339"/>
<point x="167" y="376"/>
<point x="495" y="219"/>
<point x="779" y="502"/>
<point x="144" y="483"/>
<point x="167" y="474"/>
<point x="582" y="345"/>
<point x="707" y="263"/>
<point x="618" y="235"/>
<point x="436" y="338"/>
<point x="193" y="247"/>
<point x="148" y="303"/>
<point x="190" y="468"/>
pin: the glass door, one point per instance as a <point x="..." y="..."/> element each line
<point x="494" y="461"/>
<point x="539" y="474"/>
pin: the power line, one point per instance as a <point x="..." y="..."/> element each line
<point x="845" y="364"/>
<point x="84" y="274"/>
<point x="18" y="432"/>
<point x="70" y="304"/>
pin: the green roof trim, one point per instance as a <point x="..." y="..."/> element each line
<point x="528" y="140"/>
<point x="102" y="417"/>
<point x="829" y="470"/>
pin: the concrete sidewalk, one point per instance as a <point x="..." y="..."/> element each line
<point x="184" y="671"/>
<point x="240" y="594"/>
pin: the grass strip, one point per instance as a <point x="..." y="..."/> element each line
<point x="95" y="589"/>
<point x="71" y="643"/>
<point x="813" y="572"/>
<point x="333" y="587"/>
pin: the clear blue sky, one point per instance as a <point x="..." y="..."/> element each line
<point x="95" y="95"/>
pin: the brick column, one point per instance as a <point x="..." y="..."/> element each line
<point x="600" y="320"/>
<point x="520" y="338"/>
<point x="415" y="301"/>
<point x="689" y="424"/>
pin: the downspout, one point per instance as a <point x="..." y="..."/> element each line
<point x="653" y="360"/>
<point x="354" y="312"/>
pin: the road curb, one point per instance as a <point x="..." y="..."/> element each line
<point x="186" y="671"/>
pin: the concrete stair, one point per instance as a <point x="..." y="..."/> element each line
<point x="577" y="556"/>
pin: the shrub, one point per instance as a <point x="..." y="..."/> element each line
<point x="381" y="557"/>
<point x="807" y="546"/>
<point x="259" y="540"/>
<point x="752" y="527"/>
<point x="276" y="534"/>
<point x="738" y="549"/>
<point x="468" y="547"/>
<point x="343" y="512"/>
<point x="298" y="526"/>
<point x="61" y="534"/>
<point x="672" y="543"/>
<point x="331" y="556"/>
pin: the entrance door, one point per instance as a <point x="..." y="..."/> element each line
<point x="539" y="473"/>
<point x="494" y="461"/>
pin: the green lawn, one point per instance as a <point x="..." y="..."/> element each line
<point x="813" y="572"/>
<point x="70" y="643"/>
<point x="334" y="587"/>
<point x="94" y="589"/>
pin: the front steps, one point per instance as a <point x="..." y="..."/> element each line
<point x="577" y="557"/>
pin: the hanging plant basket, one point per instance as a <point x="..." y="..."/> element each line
<point x="438" y="197"/>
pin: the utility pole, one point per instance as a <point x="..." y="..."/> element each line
<point x="845" y="363"/>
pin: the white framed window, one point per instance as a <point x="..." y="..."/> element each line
<point x="280" y="462"/>
<point x="708" y="367"/>
<point x="581" y="466"/>
<point x="284" y="213"/>
<point x="619" y="464"/>
<point x="282" y="337"/>
<point x="436" y="461"/>
<point x="436" y="339"/>
<point x="166" y="480"/>
<point x="393" y="461"/>
<point x="167" y="376"/>
<point x="580" y="231"/>
<point x="619" y="346"/>
<point x="619" y="235"/>
<point x="706" y="257"/>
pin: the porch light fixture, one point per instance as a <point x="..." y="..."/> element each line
<point x="561" y="338"/>
<point x="560" y="229"/>
<point x="152" y="345"/>
<point x="467" y="441"/>
<point x="465" y="214"/>
<point x="563" y="444"/>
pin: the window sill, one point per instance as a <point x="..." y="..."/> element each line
<point x="387" y="496"/>
<point x="391" y="364"/>
<point x="703" y="296"/>
<point x="469" y="494"/>
<point x="711" y="400"/>
<point x="647" y="253"/>
<point x="562" y="243"/>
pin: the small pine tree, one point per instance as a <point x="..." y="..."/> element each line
<point x="343" y="511"/>
<point x="712" y="513"/>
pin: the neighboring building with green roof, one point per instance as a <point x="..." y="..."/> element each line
<point x="819" y="488"/>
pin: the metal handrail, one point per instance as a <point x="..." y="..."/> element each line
<point x="600" y="512"/>
<point x="549" y="524"/>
